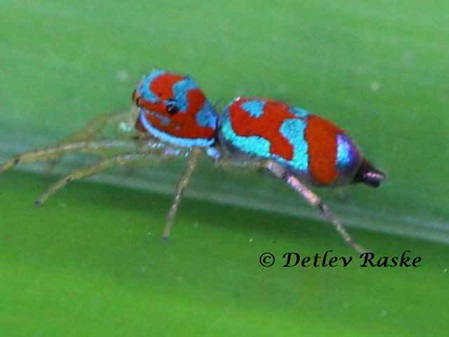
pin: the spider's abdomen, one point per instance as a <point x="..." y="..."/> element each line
<point x="308" y="145"/>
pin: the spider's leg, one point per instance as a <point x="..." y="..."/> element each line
<point x="313" y="200"/>
<point x="240" y="166"/>
<point x="58" y="150"/>
<point x="97" y="125"/>
<point x="124" y="159"/>
<point x="93" y="130"/>
<point x="182" y="185"/>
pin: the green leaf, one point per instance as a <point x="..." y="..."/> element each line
<point x="91" y="262"/>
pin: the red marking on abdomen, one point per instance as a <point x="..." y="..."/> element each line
<point x="321" y="136"/>
<point x="266" y="126"/>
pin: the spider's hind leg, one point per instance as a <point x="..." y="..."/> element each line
<point x="314" y="200"/>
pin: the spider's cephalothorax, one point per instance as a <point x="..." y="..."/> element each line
<point x="174" y="118"/>
<point x="172" y="108"/>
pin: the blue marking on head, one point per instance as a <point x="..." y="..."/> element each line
<point x="144" y="86"/>
<point x="348" y="156"/>
<point x="293" y="130"/>
<point x="180" y="90"/>
<point x="254" y="107"/>
<point x="298" y="111"/>
<point x="207" y="116"/>
<point x="181" y="142"/>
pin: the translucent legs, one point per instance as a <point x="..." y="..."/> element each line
<point x="51" y="153"/>
<point x="128" y="153"/>
<point x="124" y="159"/>
<point x="122" y="121"/>
<point x="313" y="200"/>
<point x="182" y="185"/>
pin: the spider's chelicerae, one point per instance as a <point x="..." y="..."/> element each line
<point x="173" y="118"/>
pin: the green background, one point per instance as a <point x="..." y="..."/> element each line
<point x="92" y="263"/>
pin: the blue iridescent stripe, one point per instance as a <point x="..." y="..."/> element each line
<point x="144" y="86"/>
<point x="180" y="90"/>
<point x="299" y="111"/>
<point x="254" y="107"/>
<point x="293" y="130"/>
<point x="253" y="145"/>
<point x="182" y="142"/>
<point x="207" y="116"/>
<point x="348" y="156"/>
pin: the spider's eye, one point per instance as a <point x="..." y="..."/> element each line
<point x="172" y="107"/>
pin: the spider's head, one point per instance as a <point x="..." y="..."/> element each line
<point x="173" y="109"/>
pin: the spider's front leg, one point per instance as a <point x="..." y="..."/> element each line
<point x="152" y="155"/>
<point x="94" y="130"/>
<point x="50" y="153"/>
<point x="192" y="160"/>
<point x="122" y="121"/>
<point x="314" y="200"/>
